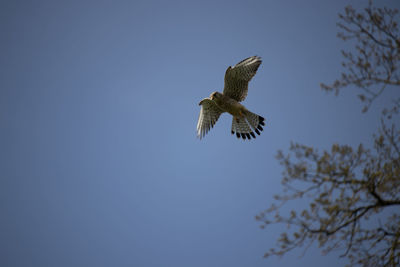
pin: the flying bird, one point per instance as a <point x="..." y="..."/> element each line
<point x="244" y="122"/>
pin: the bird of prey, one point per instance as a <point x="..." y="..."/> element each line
<point x="244" y="122"/>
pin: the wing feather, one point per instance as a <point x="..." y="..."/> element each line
<point x="237" y="78"/>
<point x="209" y="114"/>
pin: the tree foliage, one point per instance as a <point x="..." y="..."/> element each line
<point x="353" y="194"/>
<point x="375" y="62"/>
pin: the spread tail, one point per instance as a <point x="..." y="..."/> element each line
<point x="243" y="127"/>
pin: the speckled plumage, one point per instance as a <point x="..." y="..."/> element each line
<point x="244" y="122"/>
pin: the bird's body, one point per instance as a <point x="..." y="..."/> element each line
<point x="235" y="91"/>
<point x="228" y="104"/>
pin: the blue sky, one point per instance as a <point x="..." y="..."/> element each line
<point x="99" y="159"/>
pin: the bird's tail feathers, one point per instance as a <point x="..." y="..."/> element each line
<point x="243" y="127"/>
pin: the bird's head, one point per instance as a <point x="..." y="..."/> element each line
<point x="215" y="95"/>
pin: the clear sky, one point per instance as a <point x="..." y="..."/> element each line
<point x="99" y="160"/>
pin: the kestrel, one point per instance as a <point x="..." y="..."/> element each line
<point x="235" y="90"/>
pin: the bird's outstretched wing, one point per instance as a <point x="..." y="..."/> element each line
<point x="209" y="115"/>
<point x="237" y="78"/>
